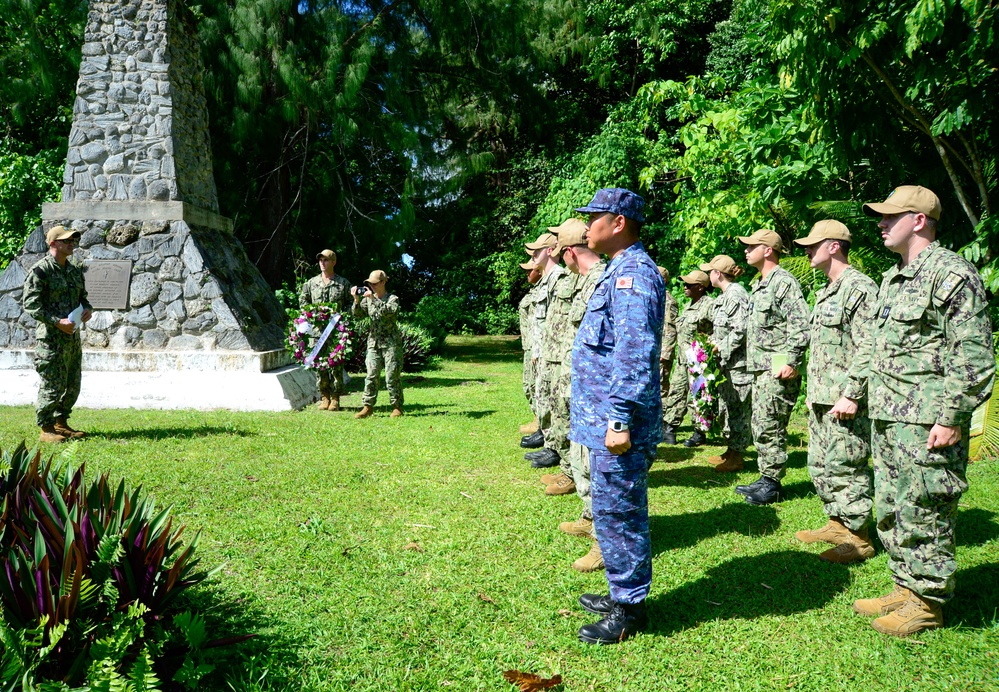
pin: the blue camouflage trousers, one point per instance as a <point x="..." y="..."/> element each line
<point x="619" y="488"/>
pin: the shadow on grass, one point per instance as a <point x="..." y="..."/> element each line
<point x="171" y="433"/>
<point x="797" y="459"/>
<point x="484" y="350"/>
<point x="684" y="530"/>
<point x="442" y="410"/>
<point x="702" y="477"/>
<point x="422" y="382"/>
<point x="780" y="583"/>
<point x="976" y="599"/>
<point x="976" y="527"/>
<point x="671" y="454"/>
<point x="796" y="491"/>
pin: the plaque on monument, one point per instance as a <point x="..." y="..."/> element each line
<point x="107" y="283"/>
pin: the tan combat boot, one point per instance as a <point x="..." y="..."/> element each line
<point x="364" y="412"/>
<point x="833" y="532"/>
<point x="590" y="562"/>
<point x="62" y="427"/>
<point x="580" y="527"/>
<point x="562" y="486"/>
<point x="324" y="403"/>
<point x="530" y="428"/>
<point x="883" y="604"/>
<point x="719" y="459"/>
<point x="914" y="616"/>
<point x="334" y="402"/>
<point x="396" y="412"/>
<point x="550" y="478"/>
<point x="856" y="549"/>
<point x="50" y="434"/>
<point x="732" y="463"/>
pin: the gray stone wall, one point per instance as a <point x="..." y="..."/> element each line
<point x="140" y="121"/>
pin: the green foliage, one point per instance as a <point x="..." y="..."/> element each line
<point x="418" y="346"/>
<point x="25" y="182"/>
<point x="89" y="573"/>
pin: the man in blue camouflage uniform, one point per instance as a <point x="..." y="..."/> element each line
<point x="616" y="411"/>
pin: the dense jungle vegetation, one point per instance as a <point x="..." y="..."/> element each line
<point x="444" y="133"/>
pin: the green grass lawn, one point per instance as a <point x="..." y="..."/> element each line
<point x="421" y="554"/>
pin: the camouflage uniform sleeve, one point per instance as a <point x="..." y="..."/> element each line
<point x="861" y="305"/>
<point x="84" y="300"/>
<point x="635" y="347"/>
<point x="383" y="311"/>
<point x="360" y="309"/>
<point x="705" y="324"/>
<point x="736" y="335"/>
<point x="669" y="330"/>
<point x="969" y="364"/>
<point x="34" y="297"/>
<point x="304" y="294"/>
<point x="793" y="304"/>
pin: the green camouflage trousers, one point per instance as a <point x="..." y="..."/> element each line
<point x="58" y="361"/>
<point x="773" y="400"/>
<point x="530" y="380"/>
<point x="579" y="461"/>
<point x="735" y="413"/>
<point x="330" y="381"/>
<point x="557" y="434"/>
<point x="389" y="357"/>
<point x="916" y="492"/>
<point x="665" y="370"/>
<point x="837" y="463"/>
<point x="675" y="402"/>
<point x="542" y="394"/>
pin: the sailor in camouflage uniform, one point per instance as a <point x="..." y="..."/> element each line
<point x="586" y="264"/>
<point x="544" y="295"/>
<point x="53" y="289"/>
<point x="329" y="288"/>
<point x="526" y="342"/>
<point x="729" y="320"/>
<point x="616" y="411"/>
<point x="384" y="342"/>
<point x="778" y="328"/>
<point x="839" y="430"/>
<point x="931" y="366"/>
<point x="695" y="319"/>
<point x="668" y="354"/>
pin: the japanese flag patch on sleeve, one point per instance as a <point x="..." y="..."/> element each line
<point x="623" y="282"/>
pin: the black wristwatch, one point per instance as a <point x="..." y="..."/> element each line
<point x="617" y="426"/>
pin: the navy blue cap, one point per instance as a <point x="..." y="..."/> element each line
<point x="616" y="200"/>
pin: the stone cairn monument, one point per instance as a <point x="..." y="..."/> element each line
<point x="181" y="314"/>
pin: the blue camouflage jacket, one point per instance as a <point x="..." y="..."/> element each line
<point x="615" y="357"/>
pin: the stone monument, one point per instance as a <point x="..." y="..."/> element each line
<point x="184" y="319"/>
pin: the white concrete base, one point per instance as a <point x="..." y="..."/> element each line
<point x="156" y="361"/>
<point x="283" y="389"/>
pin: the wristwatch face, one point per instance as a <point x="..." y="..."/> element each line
<point x="618" y="426"/>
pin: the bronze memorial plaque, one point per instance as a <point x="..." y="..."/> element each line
<point x="107" y="283"/>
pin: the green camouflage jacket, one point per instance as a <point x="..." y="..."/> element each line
<point x="840" y="338"/>
<point x="315" y="290"/>
<point x="557" y="322"/>
<point x="694" y="320"/>
<point x="669" y="327"/>
<point x="527" y="335"/>
<point x="586" y="286"/>
<point x="52" y="292"/>
<point x="778" y="321"/>
<point x="384" y="314"/>
<point x="543" y="296"/>
<point x="931" y="347"/>
<point x="729" y="319"/>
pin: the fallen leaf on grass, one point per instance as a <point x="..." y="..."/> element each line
<point x="766" y="586"/>
<point x="485" y="598"/>
<point x="252" y="479"/>
<point x="565" y="612"/>
<point x="529" y="682"/>
<point x="346" y="551"/>
<point x="413" y="546"/>
<point x="467" y="495"/>
<point x="711" y="602"/>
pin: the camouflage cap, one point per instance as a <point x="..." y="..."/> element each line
<point x="907" y="198"/>
<point x="570" y="232"/>
<point x="696" y="277"/>
<point x="829" y="229"/>
<point x="663" y="272"/>
<point x="544" y="240"/>
<point x="377" y="276"/>
<point x="616" y="200"/>
<point x="764" y="236"/>
<point x="328" y="254"/>
<point x="60" y="233"/>
<point x="723" y="263"/>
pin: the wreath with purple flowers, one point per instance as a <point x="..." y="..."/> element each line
<point x="308" y="326"/>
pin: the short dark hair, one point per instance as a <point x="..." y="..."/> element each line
<point x="844" y="245"/>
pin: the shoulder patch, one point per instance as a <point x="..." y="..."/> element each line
<point x="948" y="287"/>
<point x="854" y="300"/>
<point x="782" y="290"/>
<point x="624" y="282"/>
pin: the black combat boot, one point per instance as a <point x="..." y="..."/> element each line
<point x="669" y="434"/>
<point x="533" y="441"/>
<point x="545" y="459"/>
<point x="596" y="604"/>
<point x="767" y="493"/>
<point x="623" y="620"/>
<point x="696" y="439"/>
<point x="746" y="489"/>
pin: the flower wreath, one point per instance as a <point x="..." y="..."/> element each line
<point x="705" y="376"/>
<point x="306" y="328"/>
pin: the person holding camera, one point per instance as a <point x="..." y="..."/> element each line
<point x="384" y="342"/>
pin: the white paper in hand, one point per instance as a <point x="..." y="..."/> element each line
<point x="76" y="317"/>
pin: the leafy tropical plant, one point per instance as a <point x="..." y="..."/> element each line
<point x="417" y="347"/>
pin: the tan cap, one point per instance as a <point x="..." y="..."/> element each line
<point x="764" y="236"/>
<point x="696" y="277"/>
<point x="829" y="229"/>
<point x="377" y="276"/>
<point x="60" y="233"/>
<point x="328" y="254"/>
<point x="724" y="264"/>
<point x="527" y="266"/>
<point x="907" y="198"/>
<point x="544" y="240"/>
<point x="663" y="272"/>
<point x="569" y="233"/>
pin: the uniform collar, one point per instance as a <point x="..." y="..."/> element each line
<point x="624" y="255"/>
<point x="831" y="288"/>
<point x="911" y="269"/>
<point x="765" y="281"/>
